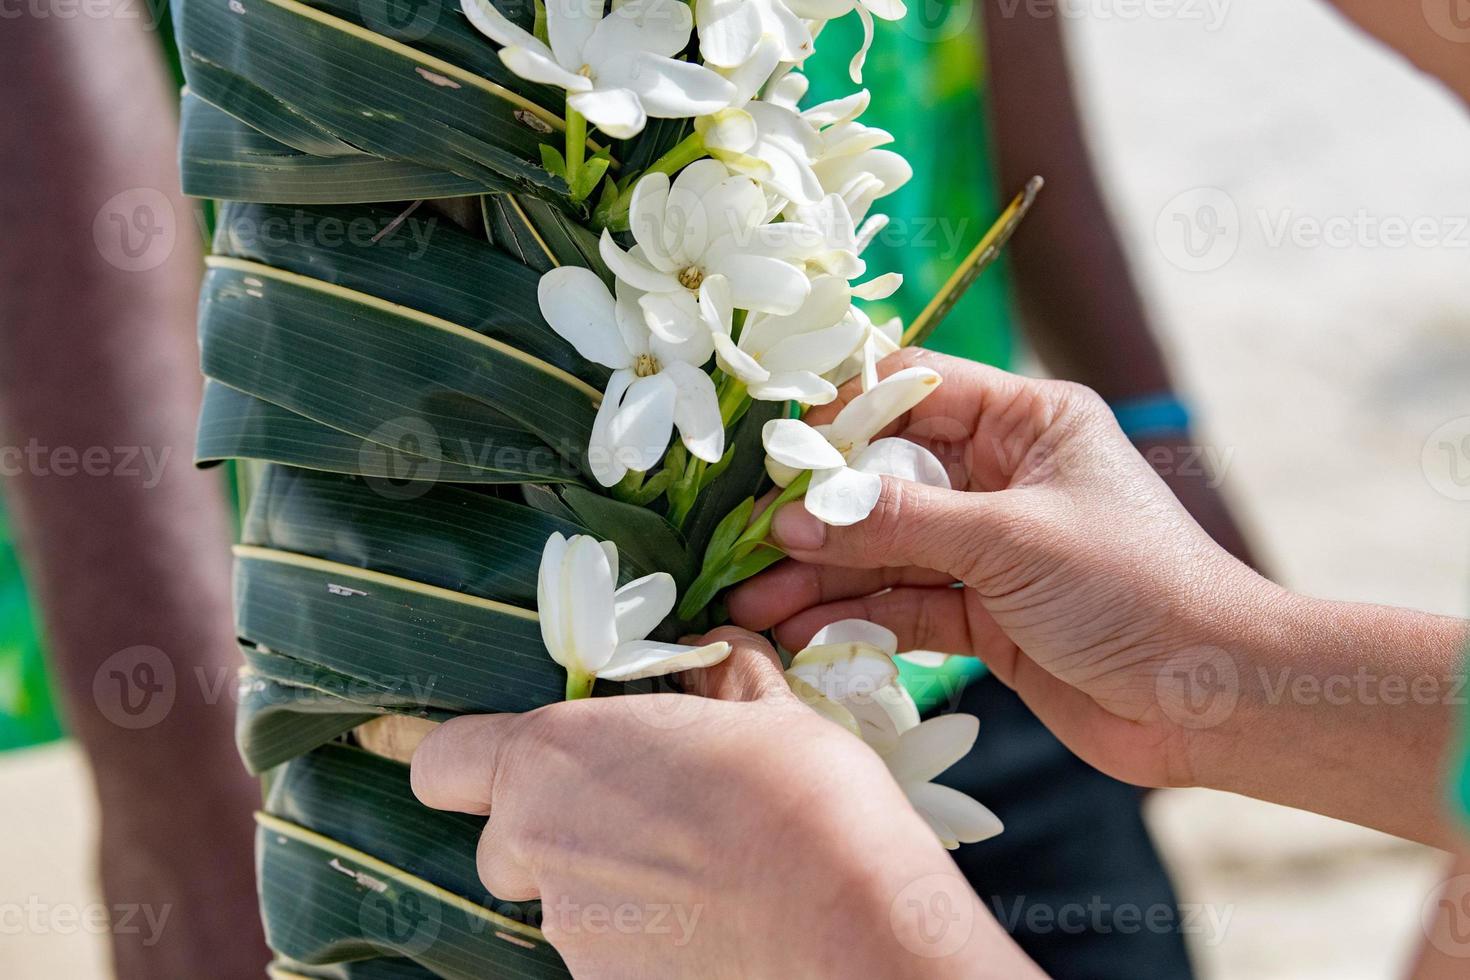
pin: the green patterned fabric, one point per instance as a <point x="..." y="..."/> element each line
<point x="927" y="82"/>
<point x="26" y="713"/>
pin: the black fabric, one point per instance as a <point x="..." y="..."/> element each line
<point x="1075" y="877"/>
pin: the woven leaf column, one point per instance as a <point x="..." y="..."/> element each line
<point x="414" y="432"/>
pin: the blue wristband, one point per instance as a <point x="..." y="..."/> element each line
<point x="1156" y="416"/>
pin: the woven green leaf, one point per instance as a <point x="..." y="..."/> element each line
<point x="352" y="866"/>
<point x="453" y="650"/>
<point x="234" y="425"/>
<point x="377" y="370"/>
<point x="223" y="158"/>
<point x="317" y="79"/>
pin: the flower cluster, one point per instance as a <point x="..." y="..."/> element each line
<point x="847" y="674"/>
<point x="734" y="275"/>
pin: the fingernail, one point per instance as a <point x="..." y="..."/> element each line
<point x="796" y="530"/>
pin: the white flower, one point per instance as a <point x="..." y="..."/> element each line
<point x="838" y="243"/>
<point x="732" y="33"/>
<point x="771" y="143"/>
<point x="879" y="340"/>
<point x="850" y="664"/>
<point x="821" y="10"/>
<point x="847" y="675"/>
<point x="708" y="222"/>
<point x="618" y="70"/>
<point x="783" y="358"/>
<point x="922" y="753"/>
<point x="847" y="160"/>
<point x="846" y="464"/>
<point x="593" y="630"/>
<point x="656" y="385"/>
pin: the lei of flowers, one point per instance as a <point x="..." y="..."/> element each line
<point x="737" y="270"/>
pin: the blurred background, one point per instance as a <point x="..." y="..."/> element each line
<point x="1259" y="158"/>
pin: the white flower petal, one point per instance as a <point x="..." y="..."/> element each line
<point x="635" y="272"/>
<point x="844" y="672"/>
<point x="669" y="88"/>
<point x="537" y="65"/>
<point x="646" y="219"/>
<point x="642" y="604"/>
<point x="758" y="282"/>
<point x="903" y="459"/>
<point x="792" y="386"/>
<point x="821" y="9"/>
<point x="728" y="30"/>
<point x="780" y="473"/>
<point x="697" y="411"/>
<point x="968" y="820"/>
<point x="887" y="9"/>
<point x="548" y="599"/>
<point x="735" y="361"/>
<point x="879" y="287"/>
<point x="615" y="111"/>
<point x="855" y="67"/>
<point x="645" y="421"/>
<point x="716" y="307"/>
<point x="586" y="588"/>
<point x="611" y="550"/>
<point x="819" y="350"/>
<point x="857" y="631"/>
<point x="729" y="129"/>
<point x="752" y="73"/>
<point x="569" y="23"/>
<point x="732" y="208"/>
<point x="673" y="317"/>
<point x="840" y="110"/>
<point x="796" y="444"/>
<point x="578" y="306"/>
<point x="659" y="27"/>
<point x="793" y="37"/>
<point x="602" y="455"/>
<point x="490" y="22"/>
<point x="645" y="658"/>
<point x="872" y="411"/>
<point x="825" y="707"/>
<point x="927" y="750"/>
<point x="842" y="497"/>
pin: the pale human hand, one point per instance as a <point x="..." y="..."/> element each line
<point x="1084" y="578"/>
<point x="733" y="834"/>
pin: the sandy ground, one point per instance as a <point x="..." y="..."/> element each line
<point x="1329" y="371"/>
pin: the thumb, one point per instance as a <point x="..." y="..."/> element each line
<point x="750" y="673"/>
<point x="949" y="531"/>
<point x="455" y="767"/>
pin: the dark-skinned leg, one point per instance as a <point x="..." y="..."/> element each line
<point x="126" y="544"/>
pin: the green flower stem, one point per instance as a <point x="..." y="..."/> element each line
<point x="722" y="572"/>
<point x="579" y="685"/>
<point x="684" y="490"/>
<point x="576" y="143"/>
<point x="733" y="399"/>
<point x="684" y="153"/>
<point x="760" y="529"/>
